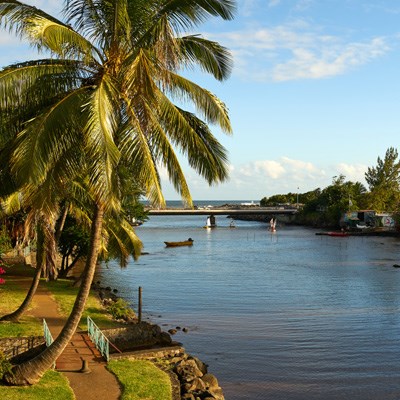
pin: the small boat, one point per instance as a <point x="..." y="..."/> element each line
<point x="272" y="224"/>
<point x="188" y="242"/>
<point x="338" y="234"/>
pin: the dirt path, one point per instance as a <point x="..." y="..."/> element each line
<point x="98" y="383"/>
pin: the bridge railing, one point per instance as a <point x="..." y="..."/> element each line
<point x="98" y="338"/>
<point x="48" y="337"/>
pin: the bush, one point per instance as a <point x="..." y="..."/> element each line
<point x="5" y="365"/>
<point x="5" y="241"/>
<point x="121" y="310"/>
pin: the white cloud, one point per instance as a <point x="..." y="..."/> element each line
<point x="298" y="51"/>
<point x="268" y="168"/>
<point x="352" y="172"/>
<point x="256" y="179"/>
<point x="314" y="63"/>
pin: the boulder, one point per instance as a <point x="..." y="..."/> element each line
<point x="210" y="380"/>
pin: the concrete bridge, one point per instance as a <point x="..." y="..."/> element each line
<point x="226" y="211"/>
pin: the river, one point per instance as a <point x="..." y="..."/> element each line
<point x="283" y="316"/>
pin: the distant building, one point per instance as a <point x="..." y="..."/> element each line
<point x="368" y="219"/>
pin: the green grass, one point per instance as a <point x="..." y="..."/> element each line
<point x="52" y="386"/>
<point x="64" y="294"/>
<point x="141" y="380"/>
<point x="11" y="296"/>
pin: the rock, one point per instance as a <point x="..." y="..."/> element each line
<point x="188" y="370"/>
<point x="200" y="365"/>
<point x="210" y="380"/>
<point x="188" y="396"/>
<point x="197" y="385"/>
<point x="185" y="330"/>
<point x="165" y="338"/>
<point x="217" y="393"/>
<point x="172" y="331"/>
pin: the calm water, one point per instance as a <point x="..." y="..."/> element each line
<point x="289" y="315"/>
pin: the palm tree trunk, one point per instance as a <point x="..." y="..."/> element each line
<point x="30" y="372"/>
<point x="16" y="315"/>
<point x="40" y="260"/>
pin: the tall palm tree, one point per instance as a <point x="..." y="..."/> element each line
<point x="108" y="96"/>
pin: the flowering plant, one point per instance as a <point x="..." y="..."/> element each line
<point x="2" y="271"/>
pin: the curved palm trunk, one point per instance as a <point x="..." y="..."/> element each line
<point x="31" y="371"/>
<point x="40" y="259"/>
<point x="16" y="315"/>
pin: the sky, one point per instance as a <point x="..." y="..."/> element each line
<point x="314" y="93"/>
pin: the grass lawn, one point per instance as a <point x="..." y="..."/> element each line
<point x="64" y="294"/>
<point x="11" y="296"/>
<point x="52" y="386"/>
<point x="141" y="380"/>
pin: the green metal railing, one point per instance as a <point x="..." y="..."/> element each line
<point x="48" y="337"/>
<point x="98" y="338"/>
<point x="47" y="334"/>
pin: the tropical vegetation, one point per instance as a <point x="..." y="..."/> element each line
<point x="325" y="207"/>
<point x="110" y="95"/>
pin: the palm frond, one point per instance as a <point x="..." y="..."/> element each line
<point x="123" y="241"/>
<point x="99" y="132"/>
<point x="136" y="147"/>
<point x="213" y="109"/>
<point x="45" y="32"/>
<point x="103" y="22"/>
<point x="189" y="13"/>
<point x="211" y="56"/>
<point x="205" y="154"/>
<point x="164" y="153"/>
<point x="12" y="203"/>
<point x="35" y="82"/>
<point x="47" y="137"/>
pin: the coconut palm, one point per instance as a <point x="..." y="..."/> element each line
<point x="108" y="95"/>
<point x="121" y="240"/>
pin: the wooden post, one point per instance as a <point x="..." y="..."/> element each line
<point x="140" y="305"/>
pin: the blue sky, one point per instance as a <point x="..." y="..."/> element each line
<point x="314" y="92"/>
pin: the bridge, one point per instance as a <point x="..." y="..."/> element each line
<point x="226" y="211"/>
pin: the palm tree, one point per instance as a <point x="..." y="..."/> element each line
<point x="107" y="96"/>
<point x="122" y="241"/>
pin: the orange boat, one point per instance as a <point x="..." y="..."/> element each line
<point x="188" y="242"/>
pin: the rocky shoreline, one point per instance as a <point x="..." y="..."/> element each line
<point x="190" y="379"/>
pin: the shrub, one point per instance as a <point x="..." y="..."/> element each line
<point x="5" y="365"/>
<point x="121" y="310"/>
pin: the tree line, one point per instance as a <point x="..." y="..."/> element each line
<point x="324" y="207"/>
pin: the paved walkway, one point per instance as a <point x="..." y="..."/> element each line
<point x="97" y="384"/>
